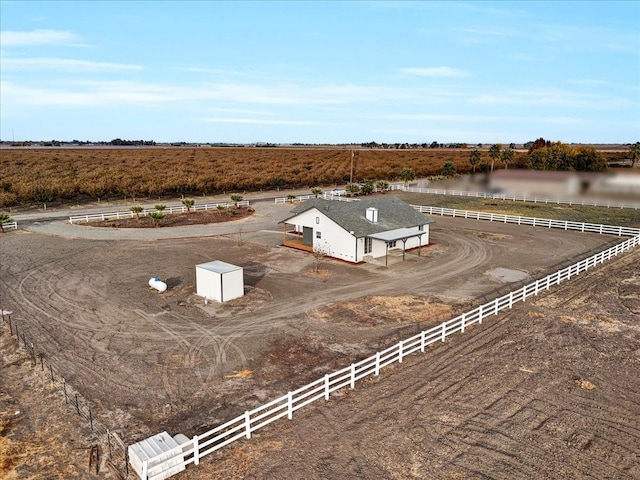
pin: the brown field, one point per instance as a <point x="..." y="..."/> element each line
<point x="46" y="175"/>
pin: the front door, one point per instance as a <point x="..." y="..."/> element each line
<point x="307" y="235"/>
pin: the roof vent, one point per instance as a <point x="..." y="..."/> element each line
<point x="372" y="214"/>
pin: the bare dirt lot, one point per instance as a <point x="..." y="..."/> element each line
<point x="548" y="391"/>
<point x="152" y="362"/>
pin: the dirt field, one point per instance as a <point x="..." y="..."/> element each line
<point x="548" y="391"/>
<point x="153" y="362"/>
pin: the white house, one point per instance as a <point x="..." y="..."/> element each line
<point x="351" y="231"/>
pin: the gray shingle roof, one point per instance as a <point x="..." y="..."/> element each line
<point x="393" y="213"/>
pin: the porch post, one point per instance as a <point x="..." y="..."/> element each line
<point x="386" y="255"/>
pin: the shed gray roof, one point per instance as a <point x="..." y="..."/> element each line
<point x="393" y="214"/>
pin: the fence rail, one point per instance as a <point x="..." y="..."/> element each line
<point x="10" y="226"/>
<point x="244" y="425"/>
<point x="147" y="211"/>
<point x="326" y="196"/>
<point x="516" y="198"/>
<point x="534" y="221"/>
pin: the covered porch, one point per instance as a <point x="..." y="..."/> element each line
<point x="295" y="239"/>
<point x="401" y="234"/>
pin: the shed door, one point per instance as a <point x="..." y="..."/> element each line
<point x="307" y="235"/>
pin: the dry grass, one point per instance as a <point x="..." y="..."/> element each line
<point x="378" y="310"/>
<point x="584" y="384"/>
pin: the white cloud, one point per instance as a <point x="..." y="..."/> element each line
<point x="38" y="37"/>
<point x="550" y="97"/>
<point x="435" y="72"/>
<point x="64" y="64"/>
<point x="259" y="121"/>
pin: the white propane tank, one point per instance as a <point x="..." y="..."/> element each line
<point x="157" y="284"/>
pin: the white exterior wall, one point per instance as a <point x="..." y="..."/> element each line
<point x="220" y="287"/>
<point x="339" y="243"/>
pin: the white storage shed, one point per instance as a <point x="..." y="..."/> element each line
<point x="219" y="281"/>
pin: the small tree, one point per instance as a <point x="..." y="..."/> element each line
<point x="319" y="253"/>
<point x="137" y="209"/>
<point x="367" y="187"/>
<point x="507" y="157"/>
<point x="494" y="153"/>
<point x="291" y="197"/>
<point x="382" y="185"/>
<point x="4" y="218"/>
<point x="157" y="218"/>
<point x="474" y="159"/>
<point x="352" y="188"/>
<point x="407" y="175"/>
<point x="161" y="207"/>
<point x="235" y="198"/>
<point x="449" y="169"/>
<point x="189" y="203"/>
<point x="316" y="191"/>
<point x="634" y="152"/>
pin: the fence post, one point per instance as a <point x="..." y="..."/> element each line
<point x="444" y="331"/>
<point x="326" y="387"/>
<point x="353" y="376"/>
<point x="247" y="422"/>
<point x="196" y="451"/>
<point x="377" y="372"/>
<point x="462" y="322"/>
<point x="480" y="315"/>
<point x="495" y="307"/>
<point x="524" y="294"/>
<point x="289" y="405"/>
<point x="422" y="341"/>
<point x="108" y="439"/>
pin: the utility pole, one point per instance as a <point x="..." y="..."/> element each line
<point x="351" y="174"/>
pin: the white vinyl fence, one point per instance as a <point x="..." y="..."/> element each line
<point x="534" y="221"/>
<point x="326" y="196"/>
<point x="516" y="198"/>
<point x="244" y="425"/>
<point x="10" y="226"/>
<point x="147" y="211"/>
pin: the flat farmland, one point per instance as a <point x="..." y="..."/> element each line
<point x="152" y="362"/>
<point x="54" y="175"/>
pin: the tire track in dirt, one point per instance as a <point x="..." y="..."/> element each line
<point x="495" y="402"/>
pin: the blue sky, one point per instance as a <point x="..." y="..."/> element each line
<point x="320" y="72"/>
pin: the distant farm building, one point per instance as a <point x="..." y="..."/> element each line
<point x="356" y="231"/>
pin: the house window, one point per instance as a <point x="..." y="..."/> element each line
<point x="368" y="245"/>
<point x="392" y="244"/>
<point x="421" y="228"/>
<point x="317" y="220"/>
<point x="318" y="234"/>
